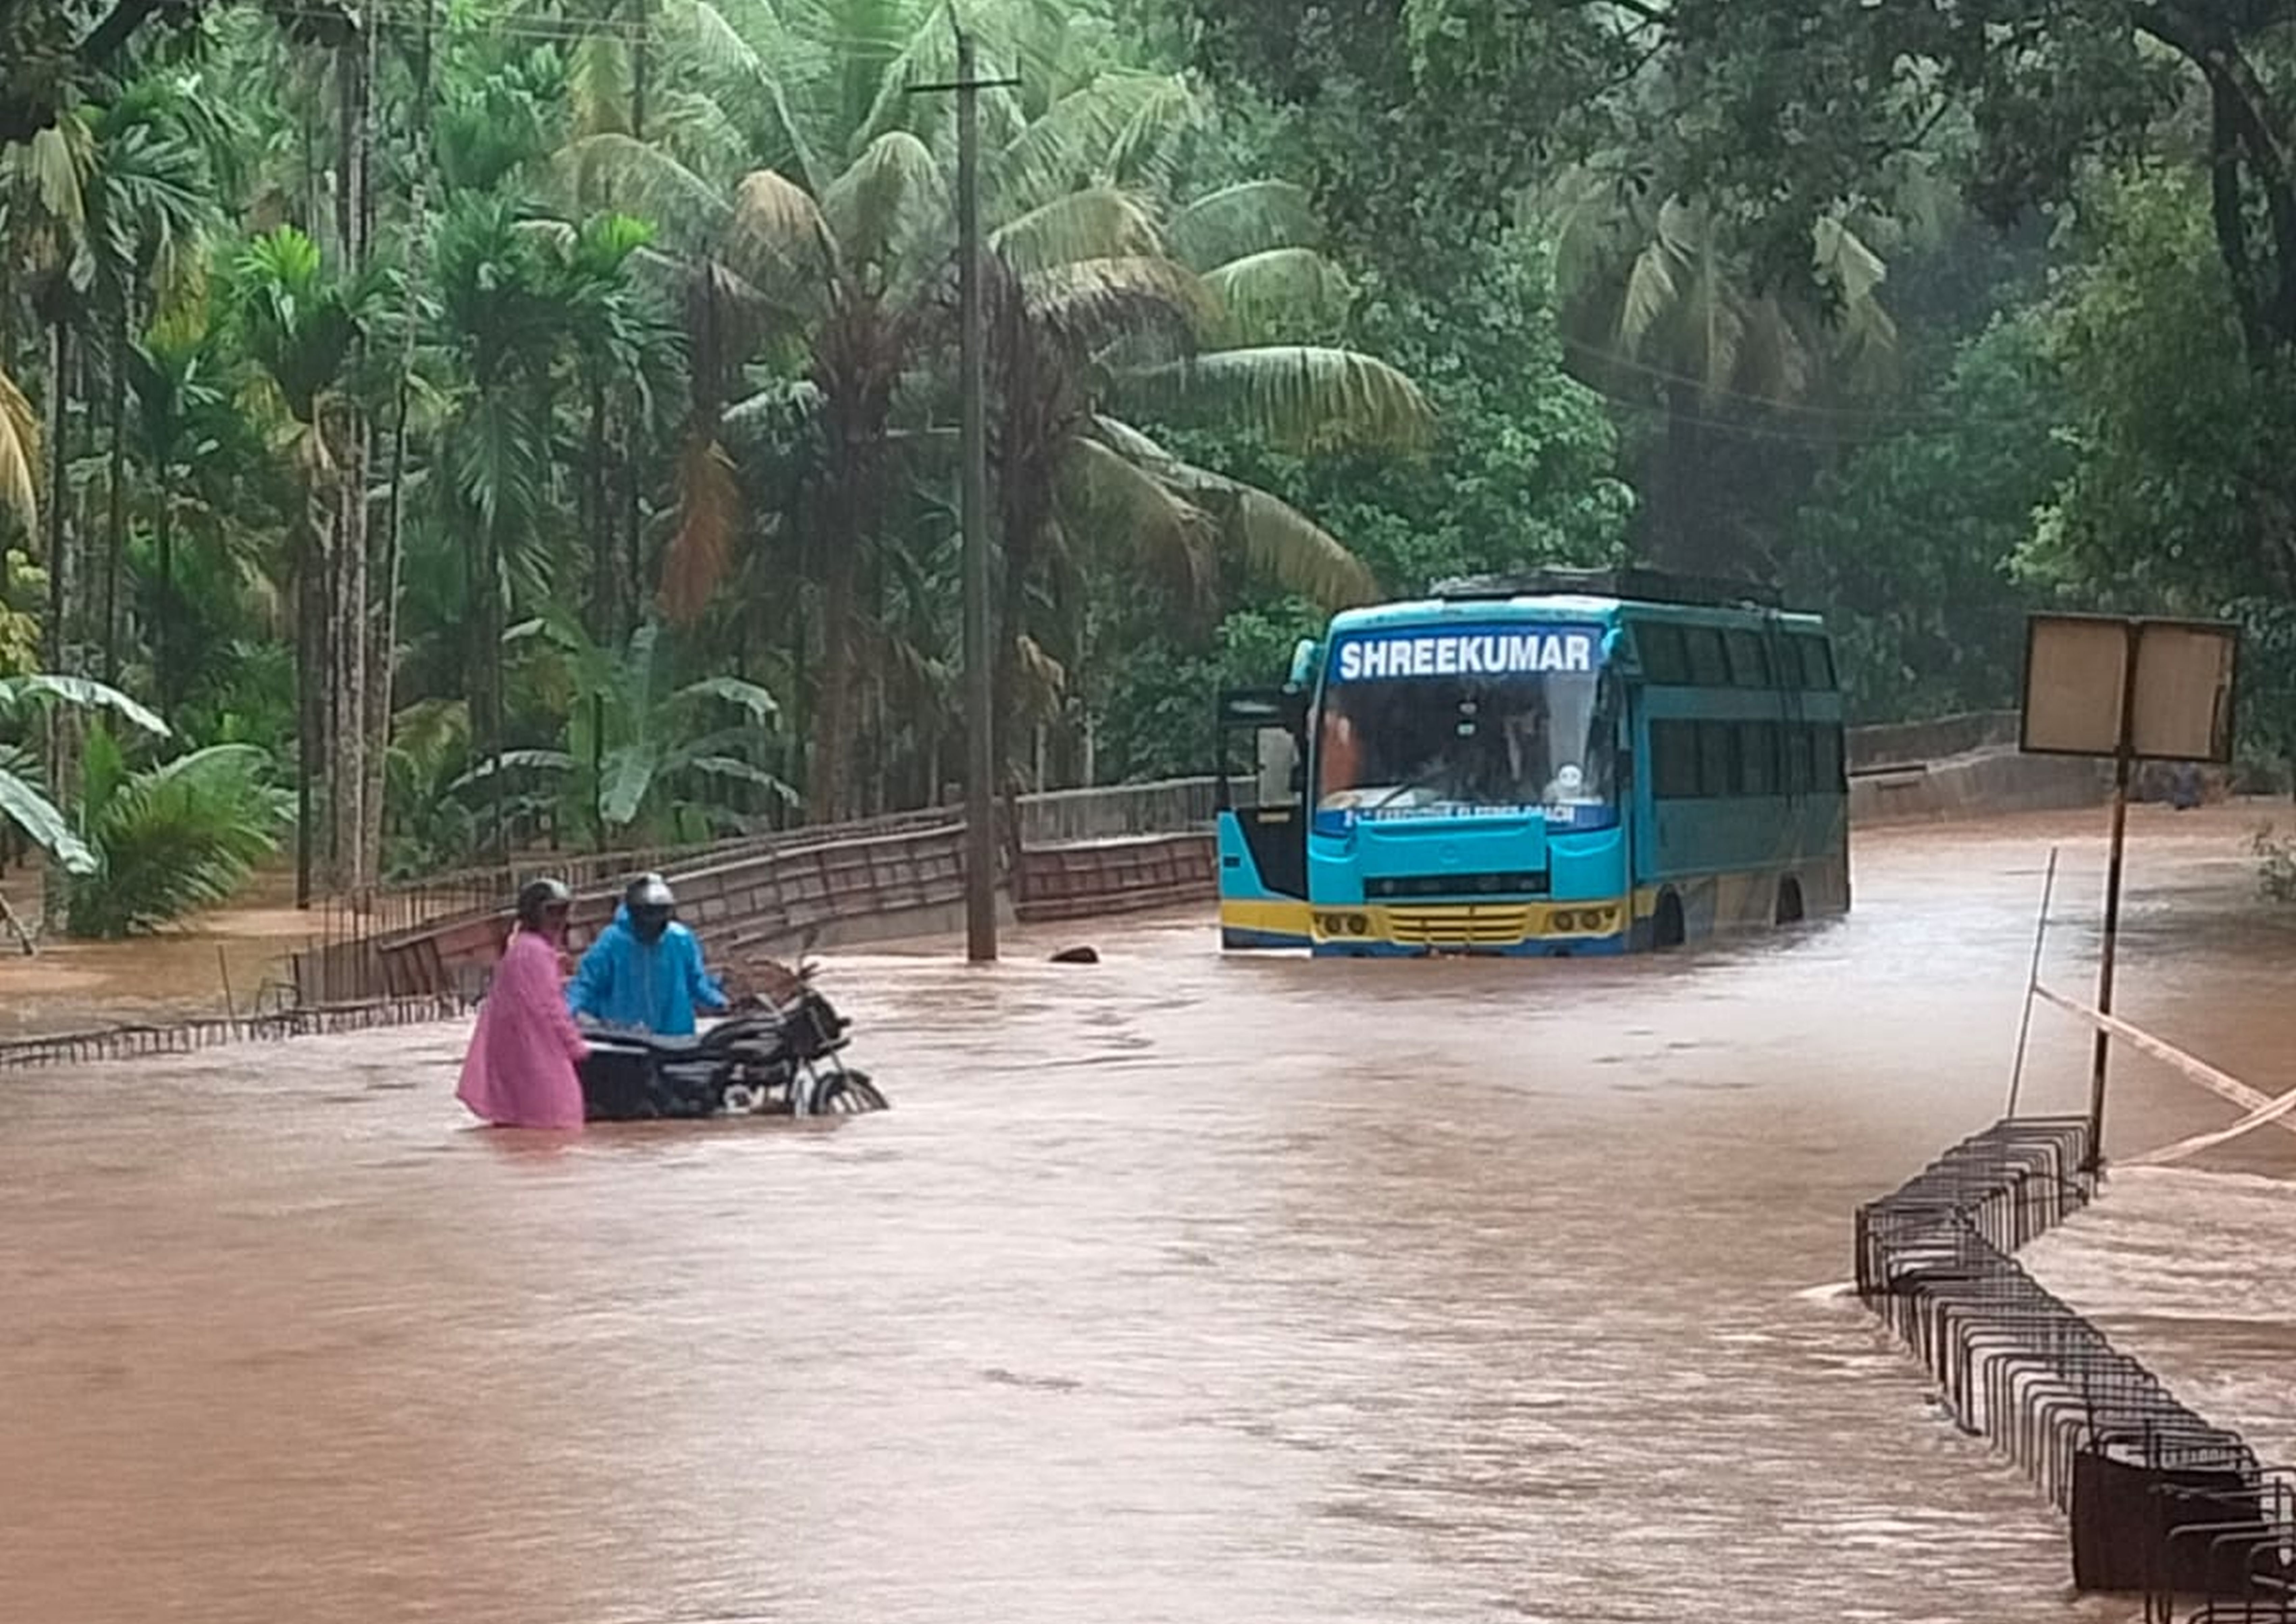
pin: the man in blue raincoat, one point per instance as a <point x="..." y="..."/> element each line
<point x="644" y="969"/>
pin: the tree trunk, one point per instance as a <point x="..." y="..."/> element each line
<point x="346" y="428"/>
<point x="63" y="654"/>
<point x="382" y="619"/>
<point x="310" y="746"/>
<point x="828" y="791"/>
<point x="351" y="640"/>
<point x="59" y="560"/>
<point x="115" y="528"/>
<point x="163" y="606"/>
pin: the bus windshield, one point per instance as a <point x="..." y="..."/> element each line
<point x="1506" y="721"/>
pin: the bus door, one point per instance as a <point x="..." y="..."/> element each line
<point x="1267" y="729"/>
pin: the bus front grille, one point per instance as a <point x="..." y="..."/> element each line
<point x="1394" y="887"/>
<point x="1473" y="924"/>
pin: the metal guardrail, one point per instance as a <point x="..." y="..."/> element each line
<point x="2160" y="1500"/>
<point x="137" y="1042"/>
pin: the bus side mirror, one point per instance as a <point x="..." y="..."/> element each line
<point x="1304" y="657"/>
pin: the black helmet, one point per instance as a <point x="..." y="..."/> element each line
<point x="650" y="906"/>
<point x="539" y="899"/>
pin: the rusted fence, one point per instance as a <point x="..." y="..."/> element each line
<point x="1076" y="882"/>
<point x="2159" y="1500"/>
<point x="137" y="1041"/>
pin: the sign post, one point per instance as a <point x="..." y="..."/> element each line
<point x="2129" y="689"/>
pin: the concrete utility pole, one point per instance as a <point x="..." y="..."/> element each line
<point x="979" y="709"/>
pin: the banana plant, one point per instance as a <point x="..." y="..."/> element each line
<point x="23" y="799"/>
<point x="642" y="758"/>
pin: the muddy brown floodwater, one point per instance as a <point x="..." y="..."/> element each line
<point x="1171" y="1289"/>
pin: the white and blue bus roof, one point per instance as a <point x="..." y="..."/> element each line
<point x="1548" y="596"/>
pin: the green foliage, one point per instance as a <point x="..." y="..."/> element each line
<point x="1519" y="474"/>
<point x="23" y="588"/>
<point x="2276" y="864"/>
<point x="2177" y="496"/>
<point x="643" y="759"/>
<point x="23" y="796"/>
<point x="171" y="839"/>
<point x="1908" y="543"/>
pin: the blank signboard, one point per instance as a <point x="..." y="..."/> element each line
<point x="2074" y="679"/>
<point x="2183" y="711"/>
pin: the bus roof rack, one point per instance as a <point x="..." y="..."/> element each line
<point x="1630" y="580"/>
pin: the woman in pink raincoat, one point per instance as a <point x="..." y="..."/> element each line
<point x="519" y="1072"/>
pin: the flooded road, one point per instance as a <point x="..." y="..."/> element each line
<point x="1173" y="1288"/>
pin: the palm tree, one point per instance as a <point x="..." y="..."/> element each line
<point x="302" y="323"/>
<point x="1658" y="302"/>
<point x="836" y="248"/>
<point x="147" y="202"/>
<point x="178" y="381"/>
<point x="1165" y="327"/>
<point x="846" y="277"/>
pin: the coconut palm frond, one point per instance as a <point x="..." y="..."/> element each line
<point x="1280" y="290"/>
<point x="1041" y="680"/>
<point x="1097" y="223"/>
<point x="1284" y="545"/>
<point x="1072" y="142"/>
<point x="709" y="509"/>
<point x="20" y="456"/>
<point x="777" y="239"/>
<point x="1297" y="395"/>
<point x="888" y="202"/>
<point x="725" y="53"/>
<point x="1097" y="301"/>
<point x="1250" y="217"/>
<point x="1105" y="494"/>
<point x="613" y="171"/>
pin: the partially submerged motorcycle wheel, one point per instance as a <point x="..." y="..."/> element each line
<point x="848" y="1093"/>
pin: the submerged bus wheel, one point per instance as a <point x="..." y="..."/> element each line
<point x="1666" y="925"/>
<point x="1789" y="901"/>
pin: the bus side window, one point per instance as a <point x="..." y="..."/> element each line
<point x="1750" y="660"/>
<point x="1816" y="658"/>
<point x="1666" y="658"/>
<point x="1674" y="760"/>
<point x="1718" y="767"/>
<point x="1758" y="757"/>
<point x="1800" y="775"/>
<point x="1709" y="667"/>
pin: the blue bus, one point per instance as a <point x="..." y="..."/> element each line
<point x="1572" y="762"/>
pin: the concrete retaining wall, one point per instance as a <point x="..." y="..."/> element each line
<point x="1907" y="744"/>
<point x="1975" y="786"/>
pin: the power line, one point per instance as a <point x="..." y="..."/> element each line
<point x="1899" y="416"/>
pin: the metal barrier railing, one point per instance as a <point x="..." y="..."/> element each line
<point x="2160" y="1500"/>
<point x="131" y="1042"/>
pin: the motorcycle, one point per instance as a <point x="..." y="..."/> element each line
<point x="779" y="1052"/>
